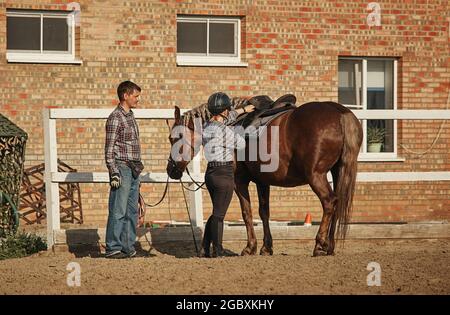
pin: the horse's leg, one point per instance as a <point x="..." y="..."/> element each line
<point x="322" y="188"/>
<point x="264" y="213"/>
<point x="241" y="189"/>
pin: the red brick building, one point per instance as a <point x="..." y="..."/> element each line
<point x="57" y="53"/>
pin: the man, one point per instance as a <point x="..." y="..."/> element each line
<point x="123" y="159"/>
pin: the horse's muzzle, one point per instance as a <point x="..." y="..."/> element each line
<point x="175" y="174"/>
<point x="173" y="171"/>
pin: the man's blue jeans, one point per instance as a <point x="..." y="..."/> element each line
<point x="123" y="213"/>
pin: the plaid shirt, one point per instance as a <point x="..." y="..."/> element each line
<point x="122" y="139"/>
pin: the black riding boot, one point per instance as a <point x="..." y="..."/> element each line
<point x="216" y="236"/>
<point x="206" y="243"/>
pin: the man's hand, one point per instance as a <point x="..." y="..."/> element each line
<point x="115" y="180"/>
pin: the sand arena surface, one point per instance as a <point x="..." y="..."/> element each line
<point x="407" y="267"/>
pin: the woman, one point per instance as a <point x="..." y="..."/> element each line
<point x="220" y="141"/>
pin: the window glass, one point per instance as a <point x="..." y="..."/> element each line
<point x="379" y="134"/>
<point x="380" y="95"/>
<point x="55" y="31"/>
<point x="350" y="82"/>
<point x="221" y="38"/>
<point x="380" y="91"/>
<point x="191" y="37"/>
<point x="23" y="33"/>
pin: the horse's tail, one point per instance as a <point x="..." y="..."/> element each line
<point x="345" y="186"/>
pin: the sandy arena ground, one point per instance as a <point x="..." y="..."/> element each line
<point x="407" y="267"/>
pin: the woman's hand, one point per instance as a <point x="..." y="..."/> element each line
<point x="245" y="109"/>
<point x="249" y="108"/>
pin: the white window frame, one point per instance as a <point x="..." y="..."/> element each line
<point x="192" y="59"/>
<point x="32" y="56"/>
<point x="375" y="156"/>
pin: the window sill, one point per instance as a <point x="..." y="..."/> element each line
<point x="212" y="64"/>
<point x="12" y="58"/>
<point x="210" y="61"/>
<point x="381" y="159"/>
<point x="72" y="62"/>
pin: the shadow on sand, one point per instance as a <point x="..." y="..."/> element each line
<point x="177" y="241"/>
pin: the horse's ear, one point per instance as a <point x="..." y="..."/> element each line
<point x="177" y="113"/>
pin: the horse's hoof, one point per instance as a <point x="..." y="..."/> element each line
<point x="266" y="251"/>
<point x="319" y="252"/>
<point x="247" y="252"/>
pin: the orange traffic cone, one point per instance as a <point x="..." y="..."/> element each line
<point x="307" y="220"/>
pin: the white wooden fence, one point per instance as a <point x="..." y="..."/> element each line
<point x="53" y="177"/>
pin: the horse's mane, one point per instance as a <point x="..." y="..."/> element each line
<point x="202" y="111"/>
<point x="239" y="102"/>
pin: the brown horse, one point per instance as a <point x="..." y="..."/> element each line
<point x="314" y="138"/>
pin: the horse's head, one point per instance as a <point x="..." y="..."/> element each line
<point x="185" y="140"/>
<point x="186" y="136"/>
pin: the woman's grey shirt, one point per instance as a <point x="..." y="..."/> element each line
<point x="220" y="140"/>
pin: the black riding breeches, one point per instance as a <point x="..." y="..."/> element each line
<point x="220" y="183"/>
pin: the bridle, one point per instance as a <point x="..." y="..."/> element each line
<point x="174" y="167"/>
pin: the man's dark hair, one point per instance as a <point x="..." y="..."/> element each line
<point x="127" y="87"/>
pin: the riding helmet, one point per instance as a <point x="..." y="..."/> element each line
<point x="218" y="102"/>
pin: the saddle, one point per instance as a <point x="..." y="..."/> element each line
<point x="264" y="102"/>
<point x="265" y="111"/>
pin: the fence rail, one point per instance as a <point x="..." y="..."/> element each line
<point x="53" y="177"/>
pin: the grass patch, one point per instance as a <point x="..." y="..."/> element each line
<point x="21" y="244"/>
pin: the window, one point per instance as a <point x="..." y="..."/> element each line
<point x="371" y="83"/>
<point x="208" y="41"/>
<point x="40" y="36"/>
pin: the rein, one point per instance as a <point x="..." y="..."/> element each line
<point x="199" y="186"/>
<point x="189" y="216"/>
<point x="163" y="196"/>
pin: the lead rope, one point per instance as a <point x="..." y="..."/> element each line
<point x="189" y="217"/>
<point x="199" y="186"/>
<point x="186" y="204"/>
<point x="162" y="198"/>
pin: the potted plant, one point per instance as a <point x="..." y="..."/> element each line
<point x="375" y="139"/>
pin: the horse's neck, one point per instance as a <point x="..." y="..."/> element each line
<point x="195" y="124"/>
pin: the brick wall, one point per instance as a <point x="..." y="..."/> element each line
<point x="290" y="47"/>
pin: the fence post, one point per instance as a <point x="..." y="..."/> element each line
<point x="195" y="197"/>
<point x="51" y="166"/>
